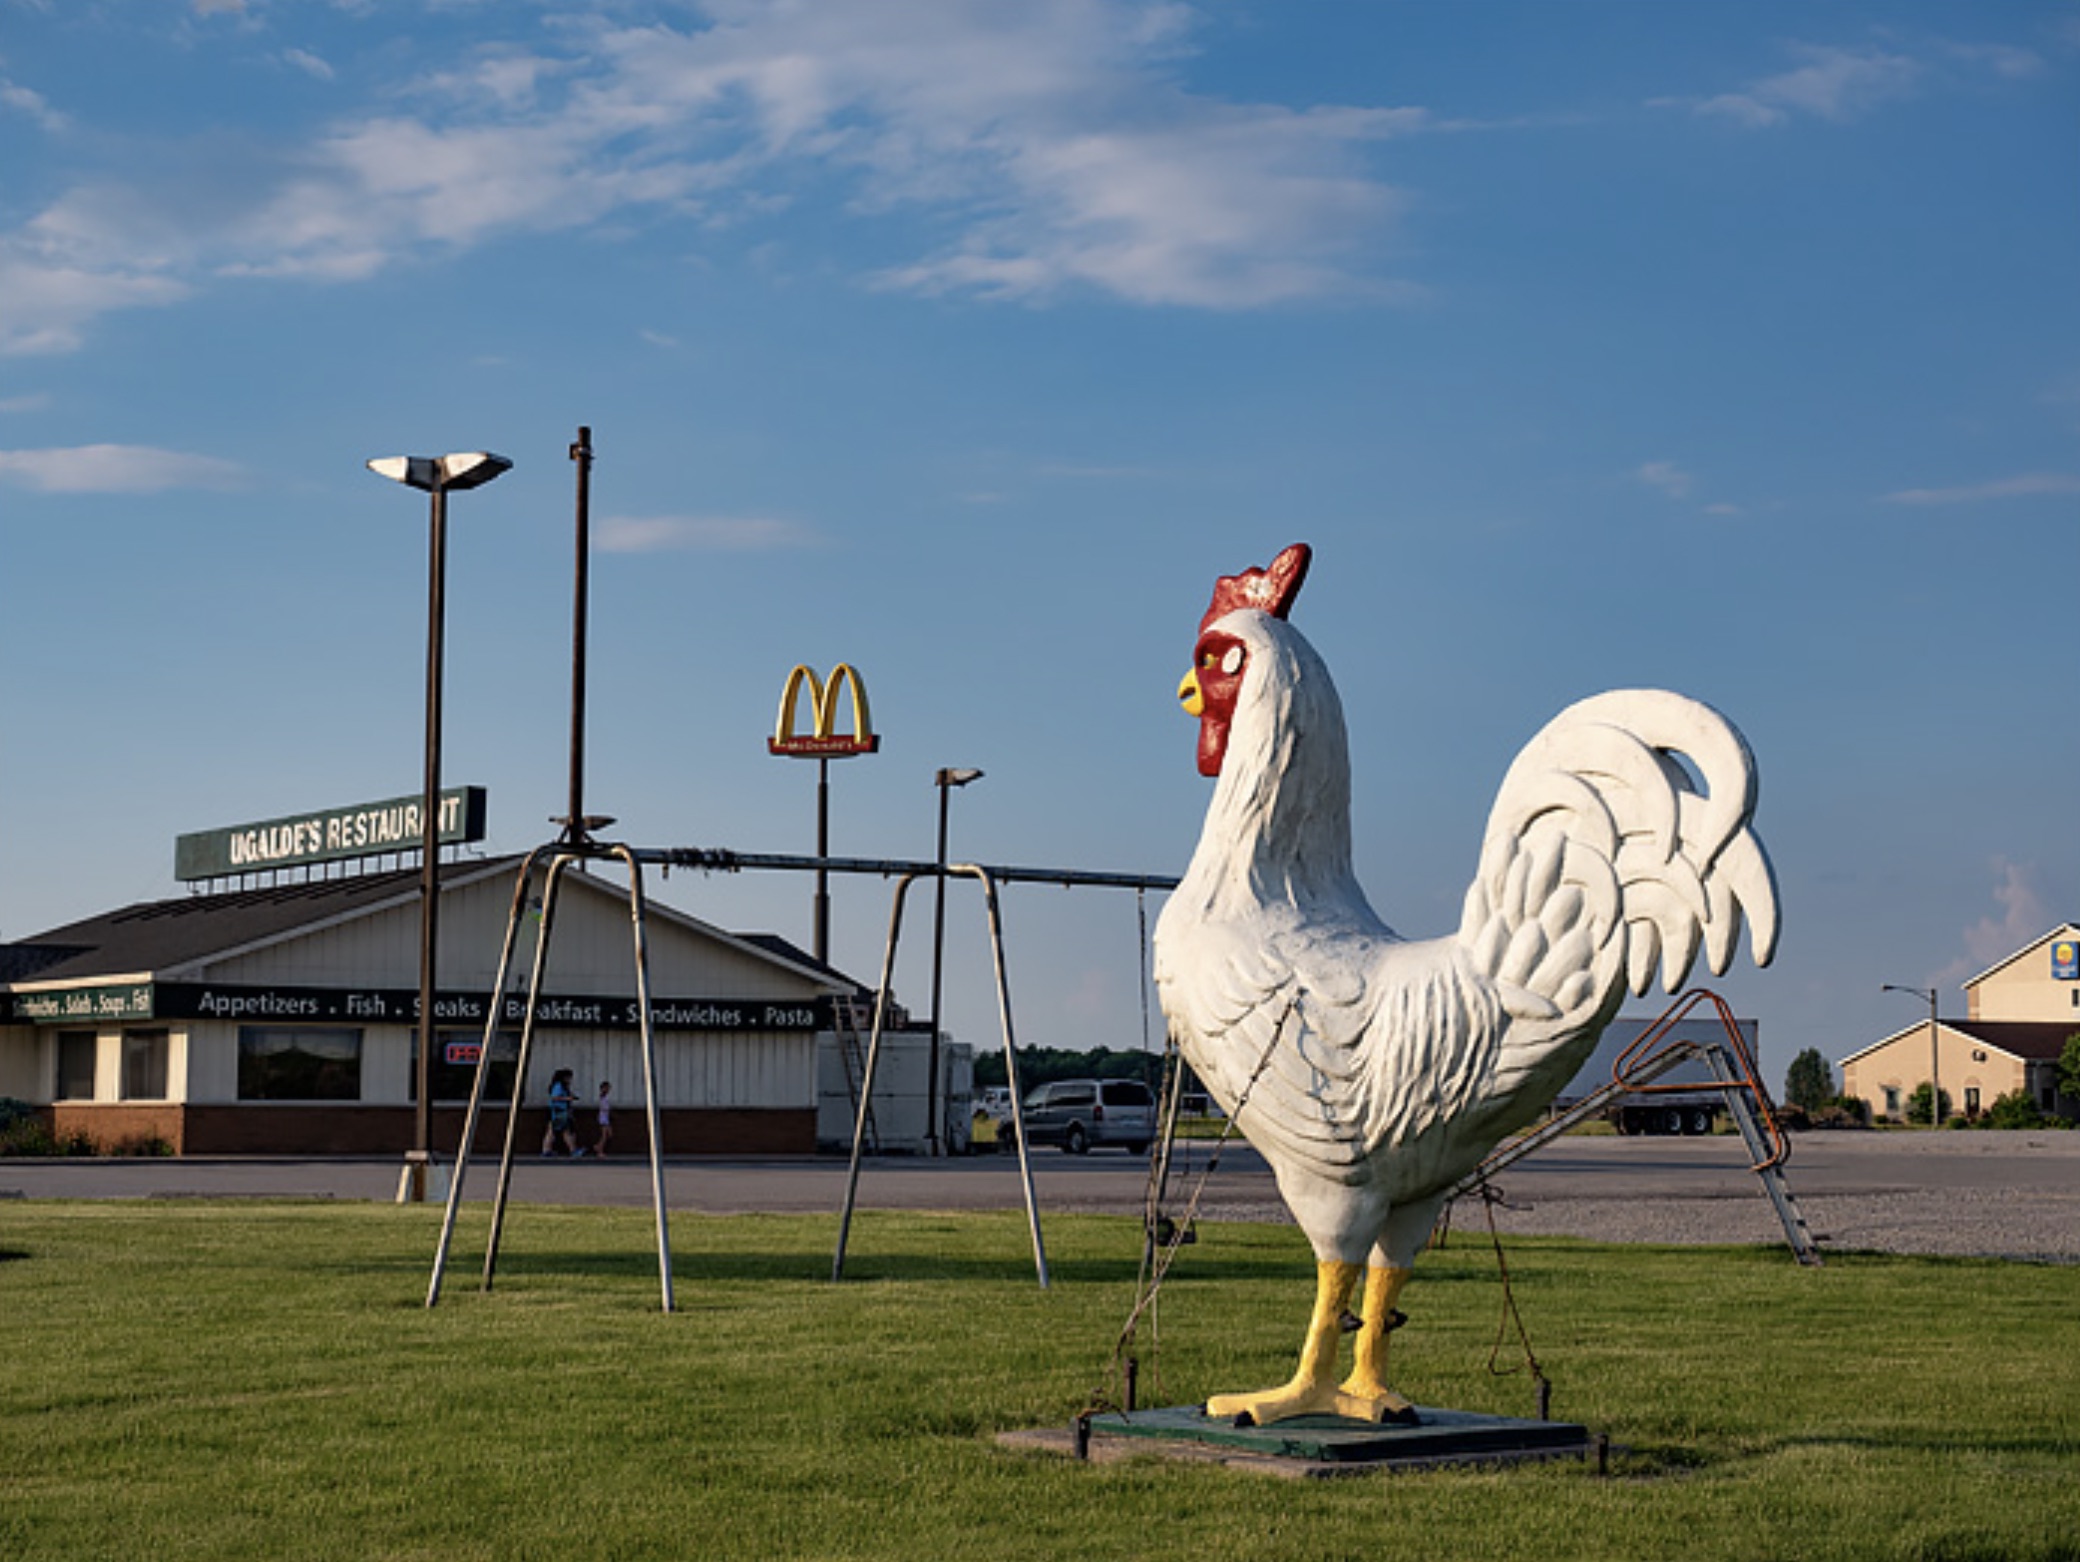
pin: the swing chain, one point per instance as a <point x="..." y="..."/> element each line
<point x="1490" y="1197"/>
<point x="1149" y="1284"/>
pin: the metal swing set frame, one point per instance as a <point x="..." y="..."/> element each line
<point x="578" y="845"/>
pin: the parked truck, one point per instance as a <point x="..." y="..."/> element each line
<point x="1692" y="1108"/>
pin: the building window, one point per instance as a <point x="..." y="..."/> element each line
<point x="455" y="1066"/>
<point x="1891" y="1100"/>
<point x="284" y="1063"/>
<point x="144" y="1065"/>
<point x="76" y="1050"/>
<point x="1971" y="1100"/>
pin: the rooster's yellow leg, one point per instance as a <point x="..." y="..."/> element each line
<point x="1313" y="1388"/>
<point x="1365" y="1393"/>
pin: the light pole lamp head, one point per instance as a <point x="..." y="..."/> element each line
<point x="449" y="473"/>
<point x="958" y="777"/>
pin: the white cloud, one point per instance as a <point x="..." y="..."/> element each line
<point x="2029" y="485"/>
<point x="46" y="301"/>
<point x="2000" y="58"/>
<point x="309" y="63"/>
<point x="1664" y="477"/>
<point x="33" y="401"/>
<point x="1051" y="146"/>
<point x="116" y="469"/>
<point x="699" y="534"/>
<point x="29" y="102"/>
<point x="1723" y="509"/>
<point x="1829" y="83"/>
<point x="657" y="338"/>
<point x="2023" y="917"/>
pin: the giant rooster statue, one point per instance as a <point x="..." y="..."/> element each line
<point x="1374" y="1073"/>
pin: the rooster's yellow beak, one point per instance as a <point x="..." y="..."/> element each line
<point x="1188" y="692"/>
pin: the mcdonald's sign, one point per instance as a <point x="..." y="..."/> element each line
<point x="823" y="741"/>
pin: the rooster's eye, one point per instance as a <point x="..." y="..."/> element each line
<point x="1231" y="664"/>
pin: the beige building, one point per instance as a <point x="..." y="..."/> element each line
<point x="2018" y="1015"/>
<point x="282" y="1019"/>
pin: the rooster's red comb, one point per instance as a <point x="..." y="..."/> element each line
<point x="1271" y="589"/>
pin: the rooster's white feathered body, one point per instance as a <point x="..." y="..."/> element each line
<point x="1374" y="1073"/>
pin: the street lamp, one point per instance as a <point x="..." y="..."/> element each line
<point x="946" y="781"/>
<point x="1935" y="1086"/>
<point x="438" y="476"/>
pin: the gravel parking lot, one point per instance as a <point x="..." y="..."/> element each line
<point x="2002" y="1195"/>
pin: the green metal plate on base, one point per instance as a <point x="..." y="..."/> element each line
<point x="1438" y="1437"/>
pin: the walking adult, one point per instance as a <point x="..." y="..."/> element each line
<point x="563" y="1124"/>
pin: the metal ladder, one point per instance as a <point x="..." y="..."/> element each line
<point x="1635" y="1072"/>
<point x="848" y="1017"/>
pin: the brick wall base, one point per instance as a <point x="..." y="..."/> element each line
<point x="260" y="1128"/>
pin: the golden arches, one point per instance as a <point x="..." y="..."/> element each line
<point x="823" y="739"/>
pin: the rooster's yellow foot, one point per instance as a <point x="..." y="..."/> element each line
<point x="1373" y="1401"/>
<point x="1275" y="1404"/>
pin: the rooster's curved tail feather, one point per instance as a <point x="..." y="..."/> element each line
<point x="1607" y="855"/>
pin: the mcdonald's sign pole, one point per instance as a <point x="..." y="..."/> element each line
<point x="823" y="743"/>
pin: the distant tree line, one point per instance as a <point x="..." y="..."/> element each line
<point x="1044" y="1065"/>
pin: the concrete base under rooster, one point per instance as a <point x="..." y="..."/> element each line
<point x="1373" y="1072"/>
<point x="1320" y="1445"/>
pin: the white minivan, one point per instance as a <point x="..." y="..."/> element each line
<point x="1079" y="1113"/>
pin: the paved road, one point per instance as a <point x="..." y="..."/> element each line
<point x="2000" y="1194"/>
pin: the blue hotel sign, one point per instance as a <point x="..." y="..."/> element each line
<point x="2065" y="961"/>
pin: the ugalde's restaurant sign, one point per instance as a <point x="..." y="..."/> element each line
<point x="331" y="835"/>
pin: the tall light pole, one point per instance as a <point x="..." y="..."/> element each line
<point x="945" y="781"/>
<point x="1935" y="1077"/>
<point x="437" y="476"/>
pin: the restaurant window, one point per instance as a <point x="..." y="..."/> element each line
<point x="1971" y="1100"/>
<point x="1891" y="1100"/>
<point x="76" y="1051"/>
<point x="295" y="1063"/>
<point x="144" y="1065"/>
<point x="455" y="1065"/>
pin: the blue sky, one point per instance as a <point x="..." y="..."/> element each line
<point x="1728" y="348"/>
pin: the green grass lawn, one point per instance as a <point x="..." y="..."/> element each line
<point x="234" y="1380"/>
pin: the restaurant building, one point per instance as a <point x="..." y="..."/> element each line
<point x="278" y="1014"/>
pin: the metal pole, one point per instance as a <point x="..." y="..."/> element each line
<point x="652" y="1116"/>
<point x="931" y="1089"/>
<point x="550" y="886"/>
<point x="581" y="452"/>
<point x="1018" y="1118"/>
<point x="866" y="1089"/>
<point x="477" y="1085"/>
<point x="1935" y="1072"/>
<point x="1935" y="1080"/>
<point x="429" y="839"/>
<point x="822" y="909"/>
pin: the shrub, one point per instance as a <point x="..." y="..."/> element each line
<point x="2013" y="1110"/>
<point x="22" y="1129"/>
<point x="1917" y="1104"/>
<point x="1844" y="1112"/>
<point x="147" y="1145"/>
